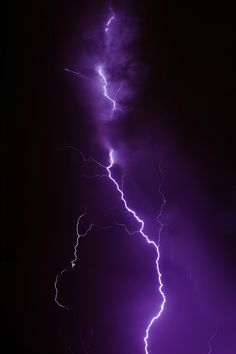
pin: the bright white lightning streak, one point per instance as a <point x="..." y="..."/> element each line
<point x="140" y="221"/>
<point x="211" y="340"/>
<point x="109" y="20"/>
<point x="74" y="260"/>
<point x="141" y="231"/>
<point x="104" y="86"/>
<point x="120" y="190"/>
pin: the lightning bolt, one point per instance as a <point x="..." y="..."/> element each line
<point x="104" y="83"/>
<point x="105" y="89"/>
<point x="110" y="20"/>
<point x="131" y="211"/>
<point x="56" y="289"/>
<point x="131" y="233"/>
<point x="74" y="260"/>
<point x="150" y="242"/>
<point x="140" y="231"/>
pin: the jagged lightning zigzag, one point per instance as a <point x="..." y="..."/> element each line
<point x="78" y="236"/>
<point x="140" y="221"/>
<point x="104" y="86"/>
<point x="73" y="261"/>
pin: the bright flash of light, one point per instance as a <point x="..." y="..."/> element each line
<point x="104" y="84"/>
<point x="105" y="91"/>
<point x="150" y="242"/>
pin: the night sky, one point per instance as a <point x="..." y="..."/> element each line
<point x="181" y="112"/>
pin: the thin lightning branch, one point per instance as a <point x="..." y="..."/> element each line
<point x="131" y="233"/>
<point x="110" y="20"/>
<point x="104" y="86"/>
<point x="78" y="74"/>
<point x="102" y="74"/>
<point x="56" y="289"/>
<point x="85" y="159"/>
<point x="73" y="261"/>
<point x="211" y="340"/>
<point x="140" y="230"/>
<point x="141" y="222"/>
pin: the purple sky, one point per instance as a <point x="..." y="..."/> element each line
<point x="170" y="70"/>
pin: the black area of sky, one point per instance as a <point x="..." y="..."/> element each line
<point x="190" y="49"/>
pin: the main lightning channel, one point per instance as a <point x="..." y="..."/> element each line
<point x="131" y="211"/>
<point x="151" y="242"/>
<point x="112" y="100"/>
<point x="105" y="92"/>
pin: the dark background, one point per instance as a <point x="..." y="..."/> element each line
<point x="189" y="47"/>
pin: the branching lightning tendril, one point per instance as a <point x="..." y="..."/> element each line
<point x="104" y="84"/>
<point x="74" y="260"/>
<point x="105" y="90"/>
<point x="150" y="242"/>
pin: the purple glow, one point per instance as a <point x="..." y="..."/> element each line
<point x="104" y="84"/>
<point x="119" y="217"/>
<point x="140" y="230"/>
<point x="150" y="242"/>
